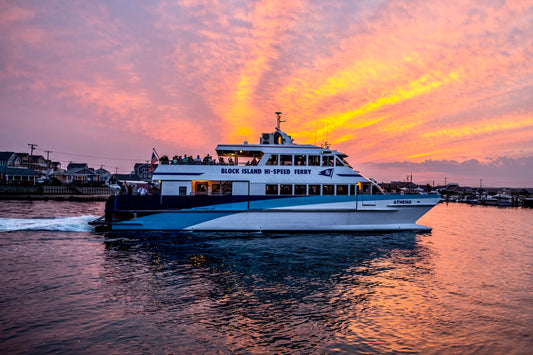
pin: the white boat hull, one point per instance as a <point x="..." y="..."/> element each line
<point x="386" y="217"/>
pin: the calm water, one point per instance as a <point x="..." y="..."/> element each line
<point x="466" y="287"/>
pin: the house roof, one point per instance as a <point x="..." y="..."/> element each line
<point x="80" y="171"/>
<point x="102" y="171"/>
<point x="76" y="166"/>
<point x="5" y="156"/>
<point x="126" y="177"/>
<point x="17" y="171"/>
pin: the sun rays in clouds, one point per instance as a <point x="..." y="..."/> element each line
<point x="383" y="81"/>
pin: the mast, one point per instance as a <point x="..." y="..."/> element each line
<point x="278" y="126"/>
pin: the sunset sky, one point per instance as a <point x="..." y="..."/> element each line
<point x="434" y="89"/>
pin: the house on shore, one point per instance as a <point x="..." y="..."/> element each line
<point x="17" y="176"/>
<point x="79" y="174"/>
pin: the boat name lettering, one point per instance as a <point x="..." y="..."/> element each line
<point x="251" y="171"/>
<point x="402" y="202"/>
<point x="229" y="171"/>
<point x="256" y="171"/>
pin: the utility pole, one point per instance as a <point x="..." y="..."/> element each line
<point x="48" y="154"/>
<point x="445" y="182"/>
<point x="32" y="147"/>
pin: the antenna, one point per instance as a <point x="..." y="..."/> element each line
<point x="278" y="126"/>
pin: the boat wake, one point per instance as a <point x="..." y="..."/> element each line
<point x="61" y="224"/>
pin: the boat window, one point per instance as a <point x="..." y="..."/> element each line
<point x="183" y="190"/>
<point x="328" y="190"/>
<point x="363" y="188"/>
<point x="338" y="162"/>
<point x="271" y="189"/>
<point x="300" y="160"/>
<point x="342" y="189"/>
<point x="285" y="159"/>
<point x="314" y="189"/>
<point x="285" y="189"/>
<point x="227" y="187"/>
<point x="201" y="188"/>
<point x="327" y="160"/>
<point x="314" y="160"/>
<point x="272" y="160"/>
<point x="300" y="189"/>
<point x="352" y="190"/>
<point x="215" y="189"/>
<point x="377" y="190"/>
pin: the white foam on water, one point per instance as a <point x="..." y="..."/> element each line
<point x="63" y="224"/>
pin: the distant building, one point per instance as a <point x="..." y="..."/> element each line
<point x="142" y="170"/>
<point x="103" y="174"/>
<point x="10" y="159"/>
<point x="72" y="166"/>
<point x="17" y="176"/>
<point x="119" y="179"/>
<point x="79" y="174"/>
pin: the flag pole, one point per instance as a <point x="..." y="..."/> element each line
<point x="156" y="154"/>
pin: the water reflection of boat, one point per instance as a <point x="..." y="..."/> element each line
<point x="276" y="185"/>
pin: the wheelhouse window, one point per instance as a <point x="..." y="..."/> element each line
<point x="271" y="189"/>
<point x="285" y="189"/>
<point x="314" y="160"/>
<point x="272" y="160"/>
<point x="328" y="190"/>
<point x="327" y="160"/>
<point x="300" y="160"/>
<point x="300" y="189"/>
<point x="314" y="189"/>
<point x="285" y="159"/>
<point x="342" y="189"/>
<point x="338" y="162"/>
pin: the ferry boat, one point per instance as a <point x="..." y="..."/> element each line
<point x="275" y="185"/>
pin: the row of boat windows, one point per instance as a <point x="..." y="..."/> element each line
<point x="305" y="160"/>
<point x="310" y="190"/>
<point x="227" y="188"/>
